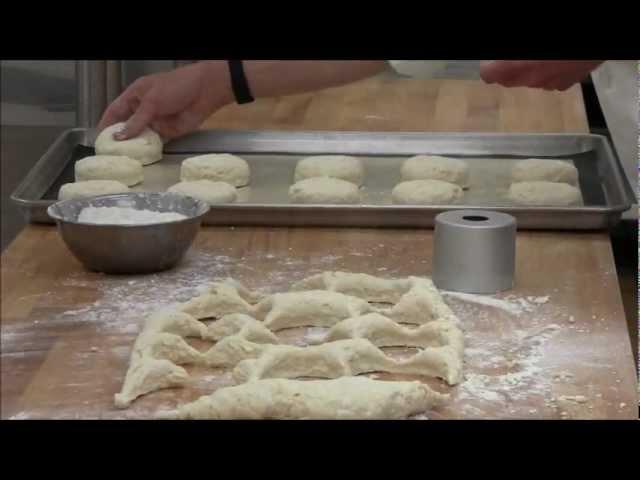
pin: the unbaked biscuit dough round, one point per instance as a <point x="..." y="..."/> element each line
<point x="324" y="190"/>
<point x="426" y="192"/>
<point x="535" y="169"/>
<point x="217" y="167"/>
<point x="334" y="166"/>
<point x="431" y="167"/>
<point x="544" y="194"/>
<point x="146" y="148"/>
<point x="109" y="167"/>
<point x="90" y="188"/>
<point x="207" y="191"/>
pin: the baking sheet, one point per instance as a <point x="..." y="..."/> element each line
<point x="273" y="157"/>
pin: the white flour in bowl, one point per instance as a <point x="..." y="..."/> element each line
<point x="126" y="216"/>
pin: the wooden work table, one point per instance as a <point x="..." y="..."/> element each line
<point x="67" y="333"/>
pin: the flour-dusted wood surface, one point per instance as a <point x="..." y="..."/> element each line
<point x="67" y="333"/>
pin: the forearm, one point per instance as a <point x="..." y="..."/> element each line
<point x="269" y="78"/>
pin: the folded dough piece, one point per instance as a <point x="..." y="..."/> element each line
<point x="344" y="398"/>
<point x="220" y="299"/>
<point x="176" y="322"/>
<point x="314" y="308"/>
<point x="244" y="325"/>
<point x="345" y="358"/>
<point x="231" y="350"/>
<point x="384" y="332"/>
<point x="421" y="304"/>
<point x="148" y="376"/>
<point x="361" y="285"/>
<point x="243" y="292"/>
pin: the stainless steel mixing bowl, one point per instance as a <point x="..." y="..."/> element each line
<point x="130" y="249"/>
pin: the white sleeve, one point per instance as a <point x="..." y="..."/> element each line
<point x="418" y="68"/>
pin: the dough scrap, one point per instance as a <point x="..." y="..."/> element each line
<point x="345" y="358"/>
<point x="239" y="324"/>
<point x="384" y="332"/>
<point x="343" y="398"/>
<point x="217" y="167"/>
<point x="231" y="350"/>
<point x="334" y="166"/>
<point x="148" y="376"/>
<point x="324" y="190"/>
<point x="544" y="194"/>
<point x="433" y="167"/>
<point x="219" y="300"/>
<point x="176" y="322"/>
<point x="319" y="308"/>
<point x="421" y="304"/>
<point x="209" y="192"/>
<point x="361" y="285"/>
<point x="91" y="188"/>
<point x="426" y="192"/>
<point x="244" y="293"/>
<point x="537" y="169"/>
<point x="156" y="344"/>
<point x="109" y="167"/>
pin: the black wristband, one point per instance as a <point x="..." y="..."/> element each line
<point x="239" y="83"/>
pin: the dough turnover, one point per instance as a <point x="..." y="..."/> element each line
<point x="207" y="191"/>
<point x="426" y="192"/>
<point x="90" y="188"/>
<point x="146" y="148"/>
<point x="361" y="285"/>
<point x="540" y="194"/>
<point x="346" y="358"/>
<point x="535" y="169"/>
<point x="217" y="167"/>
<point x="319" y="308"/>
<point x="109" y="167"/>
<point x="432" y="167"/>
<point x="343" y="398"/>
<point x="334" y="166"/>
<point x="324" y="190"/>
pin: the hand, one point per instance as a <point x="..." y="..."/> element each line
<point x="546" y="74"/>
<point x="173" y="103"/>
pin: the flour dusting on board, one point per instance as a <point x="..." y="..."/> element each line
<point x="506" y="336"/>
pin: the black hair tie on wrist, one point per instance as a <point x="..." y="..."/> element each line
<point x="239" y="83"/>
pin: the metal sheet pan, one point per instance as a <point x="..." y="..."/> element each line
<point x="273" y="156"/>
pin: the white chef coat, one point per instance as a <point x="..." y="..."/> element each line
<point x="616" y="84"/>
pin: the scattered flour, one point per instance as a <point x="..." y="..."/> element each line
<point x="510" y="307"/>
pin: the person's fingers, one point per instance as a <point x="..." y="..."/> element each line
<point x="142" y="117"/>
<point x="119" y="111"/>
<point x="126" y="104"/>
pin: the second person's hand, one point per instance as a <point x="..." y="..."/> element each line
<point x="171" y="103"/>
